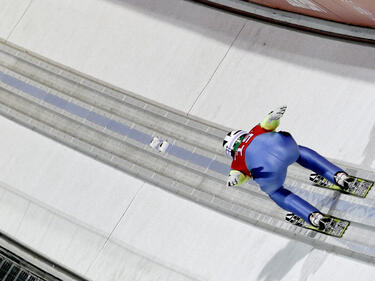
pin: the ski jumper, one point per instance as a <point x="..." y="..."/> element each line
<point x="265" y="155"/>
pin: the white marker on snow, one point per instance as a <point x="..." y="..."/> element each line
<point x="155" y="142"/>
<point x="163" y="146"/>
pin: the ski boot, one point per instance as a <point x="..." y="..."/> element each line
<point x="346" y="182"/>
<point x="321" y="222"/>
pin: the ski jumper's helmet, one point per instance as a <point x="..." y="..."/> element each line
<point x="232" y="140"/>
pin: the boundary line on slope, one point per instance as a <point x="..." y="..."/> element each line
<point x="217" y="67"/>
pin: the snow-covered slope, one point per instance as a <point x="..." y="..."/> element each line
<point x="107" y="225"/>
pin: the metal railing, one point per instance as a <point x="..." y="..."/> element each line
<point x="14" y="268"/>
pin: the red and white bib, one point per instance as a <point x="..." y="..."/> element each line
<point x="239" y="162"/>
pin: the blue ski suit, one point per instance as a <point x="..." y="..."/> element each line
<point x="268" y="157"/>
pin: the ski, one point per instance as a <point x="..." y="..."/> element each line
<point x="359" y="188"/>
<point x="336" y="228"/>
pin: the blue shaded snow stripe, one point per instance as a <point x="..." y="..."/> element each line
<point x="112" y="125"/>
<point x="219" y="167"/>
<point x="76" y="110"/>
<point x="22" y="86"/>
<point x="174" y="150"/>
<point x="139" y="136"/>
<point x="118" y="127"/>
<point x="195" y="158"/>
<point x="56" y="101"/>
<point x="98" y="119"/>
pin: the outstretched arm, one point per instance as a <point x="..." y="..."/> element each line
<point x="272" y="120"/>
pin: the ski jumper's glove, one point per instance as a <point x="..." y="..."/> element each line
<point x="236" y="178"/>
<point x="272" y="120"/>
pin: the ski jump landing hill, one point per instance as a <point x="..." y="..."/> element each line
<point x="80" y="184"/>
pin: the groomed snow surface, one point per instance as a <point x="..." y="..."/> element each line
<point x="106" y="225"/>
